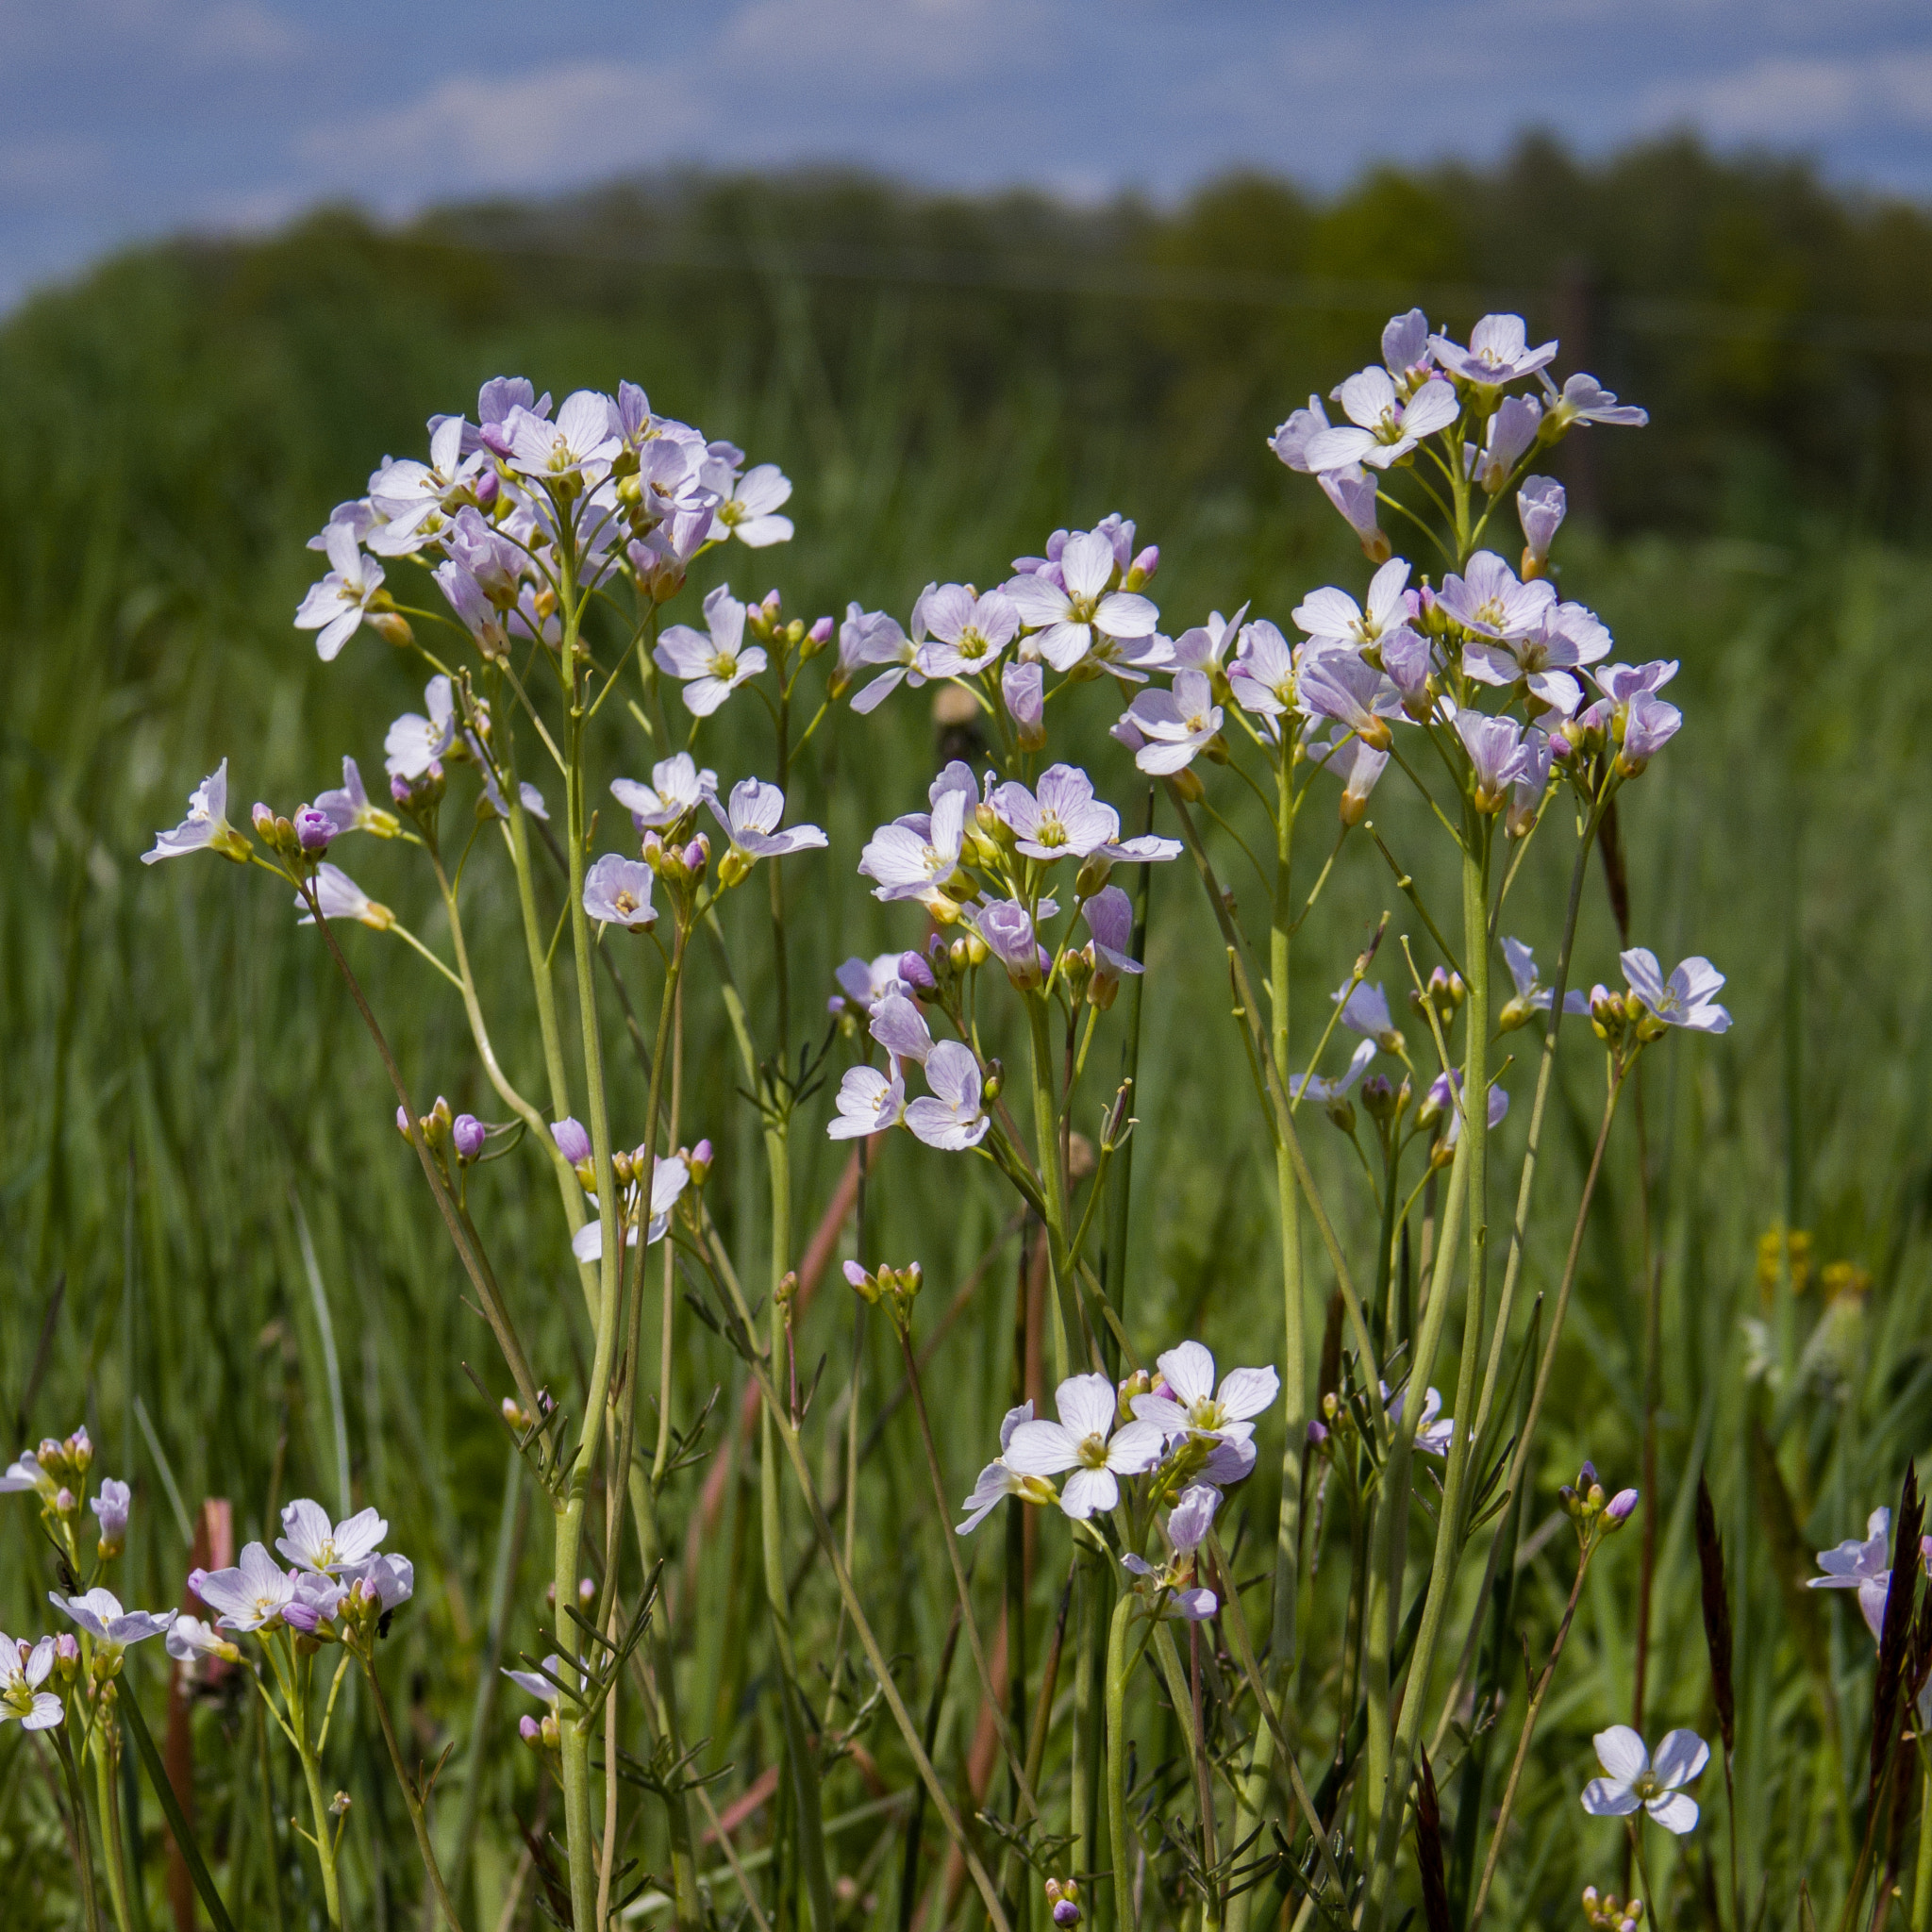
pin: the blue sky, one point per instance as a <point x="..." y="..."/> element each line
<point x="127" y="118"/>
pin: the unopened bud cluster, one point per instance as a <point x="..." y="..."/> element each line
<point x="897" y="1288"/>
<point x="1607" y="1913"/>
<point x="1586" y="1505"/>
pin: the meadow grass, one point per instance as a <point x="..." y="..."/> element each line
<point x="183" y="1092"/>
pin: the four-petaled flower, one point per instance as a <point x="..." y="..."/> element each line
<point x="251" y="1597"/>
<point x="617" y="892"/>
<point x="206" y="827"/>
<point x="1498" y="352"/>
<point x="1864" y="1566"/>
<point x="1633" y="1778"/>
<point x="415" y="743"/>
<point x="1685" y="999"/>
<point x="997" y="1482"/>
<point x="1073" y="612"/>
<point x="1176" y="724"/>
<point x="335" y="607"/>
<point x="751" y="817"/>
<point x="749" y="509"/>
<point x="312" y="1541"/>
<point x="950" y="1116"/>
<point x="869" y="1102"/>
<point x="99" y="1613"/>
<point x="1193" y="1406"/>
<point x="677" y="787"/>
<point x="1186" y="1528"/>
<point x="968" y="633"/>
<point x="1085" y="1441"/>
<point x="1387" y="429"/>
<point x="711" y="668"/>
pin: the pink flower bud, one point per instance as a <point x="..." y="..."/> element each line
<point x="572" y="1141"/>
<point x="1146" y="564"/>
<point x="313" y="829"/>
<point x="530" y="1731"/>
<point x="821" y="632"/>
<point x="403" y="1122"/>
<point x="67" y="1647"/>
<point x="468" y="1135"/>
<point x="697" y="856"/>
<point x="486" y="487"/>
<point x="1620" y="1506"/>
<point x="264" y="820"/>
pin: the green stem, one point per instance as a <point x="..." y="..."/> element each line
<point x="1117" y="1669"/>
<point x="110" y="1813"/>
<point x="84" y="1857"/>
<point x="417" y="1818"/>
<point x="1046" y="1124"/>
<point x="1922" y="1878"/>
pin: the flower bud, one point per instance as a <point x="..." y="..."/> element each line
<point x="339" y="1805"/>
<point x="65" y="1502"/>
<point x="572" y="1141"/>
<point x="313" y="829"/>
<point x="587" y="1590"/>
<point x="820" y="635"/>
<point x="696" y="855"/>
<point x="391" y="628"/>
<point x="1094" y="870"/>
<point x="1618" y="1510"/>
<point x="66" y="1655"/>
<point x="1142" y="568"/>
<point x="1318" y="1433"/>
<point x="403" y="1122"/>
<point x="466" y="1134"/>
<point x="699" y="1162"/>
<point x="531" y="1732"/>
<point x="913" y="970"/>
<point x="515" y="1414"/>
<point x="485" y="489"/>
<point x="264" y="821"/>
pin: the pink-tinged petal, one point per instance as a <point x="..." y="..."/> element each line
<point x="1136" y="1448"/>
<point x="1679" y="1758"/>
<point x="47" y="1712"/>
<point x="1603" y="1798"/>
<point x="1127" y="614"/>
<point x="1872" y="1593"/>
<point x="1088" y="1492"/>
<point x="761" y="533"/>
<point x="1327" y="613"/>
<point x="1087" y="1404"/>
<point x="1011" y="1421"/>
<point x="1252" y="1391"/>
<point x="1621" y="1751"/>
<point x="1039" y="602"/>
<point x="1432" y="407"/>
<point x="1041" y="1448"/>
<point x="1336" y="449"/>
<point x="1087" y="562"/>
<point x="1190" y="1372"/>
<point x="1164" y="1412"/>
<point x="1065" y="643"/>
<point x="1676" y="1813"/>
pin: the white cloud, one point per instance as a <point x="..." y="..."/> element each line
<point x="570" y="122"/>
<point x="1789" y="98"/>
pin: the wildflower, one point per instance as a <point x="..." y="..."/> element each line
<point x="348" y="809"/>
<point x="410" y="496"/>
<point x="1264" y="676"/>
<point x="572" y="1142"/>
<point x="1541" y="505"/>
<point x="1358" y="765"/>
<point x="1441" y="1099"/>
<point x="751" y="818"/>
<point x="883" y="641"/>
<point x="316" y="1602"/>
<point x="1435" y="1433"/>
<point x="670" y="1177"/>
<point x="617" y="892"/>
<point x="111" y="1505"/>
<point x="711" y="668"/>
<point x="1332" y="613"/>
<point x="900" y="1027"/>
<point x="467" y="1135"/>
<point x="538" y="1684"/>
<point x="1498" y="352"/>
<point x="384" y="1583"/>
<point x="1192" y="1407"/>
<point x="1229" y="1462"/>
<point x="677" y="787"/>
<point x="950" y="1117"/>
<point x="1176" y="724"/>
<point x="1063" y="818"/>
<point x="578" y="448"/>
<point x="1565" y="636"/>
<point x="1527" y="788"/>
<point x="1490" y="601"/>
<point x="1649" y="724"/>
<point x="485" y="555"/>
<point x="414" y="743"/>
<point x="869" y="1102"/>
<point x="1511" y="431"/>
<point x="1340" y="685"/>
<point x="1325" y="1093"/>
<point x="1532" y="996"/>
<point x="1861" y="1566"/>
<point x="1387" y="429"/>
<point x="340" y="897"/>
<point x="99" y="1613"/>
<point x="23" y="1671"/>
<point x="206" y="827"/>
<point x="311" y="1539"/>
<point x="1496" y="753"/>
<point x="916" y="855"/>
<point x="1365" y="1010"/>
<point x="1072" y="614"/>
<point x="1007" y="928"/>
<point x="967" y="632"/>
<point x="335" y="607"/>
<point x="189" y="1638"/>
<point x="1187" y="1525"/>
<point x="1353" y="491"/>
<point x="997" y="1482"/>
<point x="1024" y="688"/>
<point x="1633" y="1778"/>
<point x="748" y="508"/>
<point x="1684" y="999"/>
<point x="862" y="986"/>
<point x="1110" y="916"/>
<point x="1203" y="646"/>
<point x="1584" y="400"/>
<point x="1291" y="440"/>
<point x="1085" y="1441"/>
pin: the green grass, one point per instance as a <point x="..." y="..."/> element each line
<point x="181" y="1076"/>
